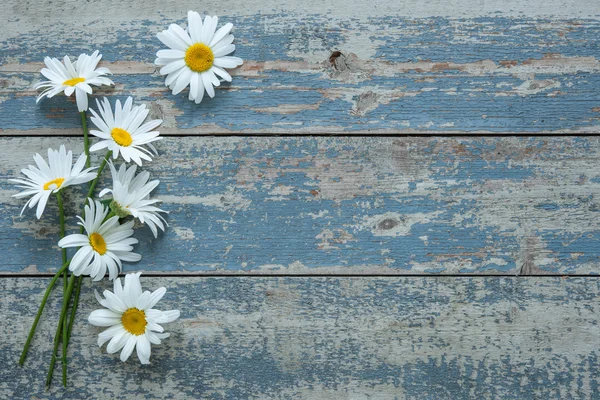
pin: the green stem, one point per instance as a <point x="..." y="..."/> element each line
<point x="40" y="310"/>
<point x="61" y="213"/>
<point x="74" y="308"/>
<point x="57" y="335"/>
<point x="98" y="173"/>
<point x="65" y="299"/>
<point x="86" y="140"/>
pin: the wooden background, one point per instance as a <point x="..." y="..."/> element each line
<point x="416" y="218"/>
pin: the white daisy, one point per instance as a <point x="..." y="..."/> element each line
<point x="132" y="321"/>
<point x="123" y="132"/>
<point x="104" y="246"/>
<point x="73" y="77"/>
<point x="131" y="196"/>
<point x="196" y="56"/>
<point x="48" y="178"/>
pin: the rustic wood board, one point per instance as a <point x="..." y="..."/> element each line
<point x="423" y="67"/>
<point x="345" y="212"/>
<point x="330" y="338"/>
<point x="353" y="205"/>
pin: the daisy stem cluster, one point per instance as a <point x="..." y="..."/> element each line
<point x="40" y="310"/>
<point x="66" y="296"/>
<point x="65" y="324"/>
<point x="57" y="335"/>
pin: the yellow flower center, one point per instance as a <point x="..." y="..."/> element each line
<point x="199" y="57"/>
<point x="134" y="321"/>
<point x="98" y="244"/>
<point x="121" y="136"/>
<point x="54" y="184"/>
<point x="73" y="81"/>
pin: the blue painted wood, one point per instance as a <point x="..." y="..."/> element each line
<point x="500" y="74"/>
<point x="293" y="37"/>
<point x="355" y="205"/>
<point x="289" y="102"/>
<point x="329" y="338"/>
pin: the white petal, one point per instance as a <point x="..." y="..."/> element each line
<point x="172" y="67"/>
<point x="168" y="316"/>
<point x="118" y="341"/>
<point x="75" y="240"/>
<point x="82" y="100"/>
<point x="42" y="204"/>
<point x="194" y="26"/>
<point x="221" y="72"/>
<point x="108" y="334"/>
<point x="228" y="62"/>
<point x="170" y="53"/>
<point x="128" y="349"/>
<point x="155" y="297"/>
<point x="181" y="34"/>
<point x="221" y="33"/>
<point x="104" y="317"/>
<point x="224" y="50"/>
<point x="171" y="40"/>
<point x="208" y="84"/>
<point x="182" y="81"/>
<point x="143" y="349"/>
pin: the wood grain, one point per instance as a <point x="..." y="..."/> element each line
<point x="329" y="338"/>
<point x="460" y="67"/>
<point x="354" y="205"/>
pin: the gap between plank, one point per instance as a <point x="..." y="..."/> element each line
<point x="344" y="135"/>
<point x="154" y="275"/>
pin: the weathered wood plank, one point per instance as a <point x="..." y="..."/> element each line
<point x="461" y="71"/>
<point x="330" y="338"/>
<point x="353" y="205"/>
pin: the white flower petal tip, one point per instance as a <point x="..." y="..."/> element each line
<point x="46" y="178"/>
<point x="131" y="196"/>
<point x="77" y="77"/>
<point x="197" y="57"/>
<point x="105" y="245"/>
<point x="124" y="131"/>
<point x="131" y="320"/>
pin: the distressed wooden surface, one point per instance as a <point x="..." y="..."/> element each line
<point x="479" y="205"/>
<point x="460" y="67"/>
<point x="331" y="338"/>
<point x="353" y="205"/>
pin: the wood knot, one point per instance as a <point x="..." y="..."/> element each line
<point x="388" y="224"/>
<point x="333" y="57"/>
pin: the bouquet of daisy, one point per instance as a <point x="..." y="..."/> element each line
<point x="105" y="238"/>
<point x="197" y="58"/>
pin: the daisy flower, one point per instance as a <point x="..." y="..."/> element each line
<point x="73" y="77"/>
<point x="47" y="178"/>
<point x="123" y="132"/>
<point x="104" y="246"/>
<point x="131" y="196"/>
<point x="132" y="321"/>
<point x="197" y="56"/>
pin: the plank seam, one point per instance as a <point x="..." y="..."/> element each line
<point x="154" y="275"/>
<point x="345" y="135"/>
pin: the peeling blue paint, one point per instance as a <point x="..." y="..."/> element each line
<point x="480" y="103"/>
<point x="399" y="39"/>
<point x="346" y="337"/>
<point x="251" y="227"/>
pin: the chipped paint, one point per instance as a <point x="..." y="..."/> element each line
<point x="328" y="338"/>
<point x="394" y="74"/>
<point x="360" y="204"/>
